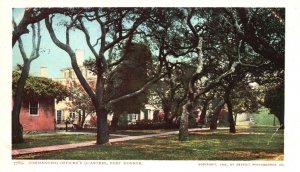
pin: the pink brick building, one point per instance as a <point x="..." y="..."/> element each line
<point x="38" y="115"/>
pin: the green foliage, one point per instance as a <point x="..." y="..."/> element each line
<point x="40" y="87"/>
<point x="123" y="120"/>
<point x="80" y="99"/>
<point x="244" y="98"/>
<point x="264" y="117"/>
<point x="128" y="77"/>
<point x="274" y="100"/>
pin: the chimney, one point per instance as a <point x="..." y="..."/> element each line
<point x="44" y="72"/>
<point x="79" y="56"/>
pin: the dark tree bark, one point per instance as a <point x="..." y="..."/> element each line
<point x="17" y="131"/>
<point x="102" y="126"/>
<point x="203" y="112"/>
<point x="227" y="100"/>
<point x="215" y="116"/>
<point x="83" y="118"/>
<point x="281" y="121"/>
<point x="184" y="122"/>
<point x="167" y="111"/>
<point x="79" y="122"/>
<point x="115" y="121"/>
<point x="230" y="115"/>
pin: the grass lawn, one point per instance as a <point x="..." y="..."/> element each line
<point x="253" y="143"/>
<point x="36" y="140"/>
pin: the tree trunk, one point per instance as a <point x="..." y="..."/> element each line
<point x="214" y="119"/>
<point x="169" y="122"/>
<point x="83" y="118"/>
<point x="17" y="130"/>
<point x="203" y="113"/>
<point x="235" y="117"/>
<point x="167" y="110"/>
<point x="79" y="122"/>
<point x="115" y="121"/>
<point x="102" y="126"/>
<point x="184" y="122"/>
<point x="230" y="117"/>
<point x="229" y="106"/>
<point x="281" y="121"/>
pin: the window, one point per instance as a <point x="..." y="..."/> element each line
<point x="33" y="107"/>
<point x="79" y="114"/>
<point x="72" y="115"/>
<point x="59" y="116"/>
<point x="146" y="114"/>
<point x="70" y="73"/>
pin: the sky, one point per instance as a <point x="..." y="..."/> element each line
<point x="51" y="56"/>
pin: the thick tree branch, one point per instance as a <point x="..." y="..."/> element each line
<point x="244" y="64"/>
<point x="189" y="22"/>
<point x="72" y="55"/>
<point x="68" y="36"/>
<point x="217" y="80"/>
<point x="35" y="43"/>
<point x="103" y="33"/>
<point x="22" y="51"/>
<point x="116" y="62"/>
<point x="143" y="88"/>
<point x="34" y="15"/>
<point x="120" y="38"/>
<point x="258" y="44"/>
<point x="87" y="38"/>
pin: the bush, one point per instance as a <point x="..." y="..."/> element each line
<point x="264" y="117"/>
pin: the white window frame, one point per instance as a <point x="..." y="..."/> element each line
<point x="61" y="115"/>
<point x="38" y="107"/>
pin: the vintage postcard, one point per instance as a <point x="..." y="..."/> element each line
<point x="142" y="85"/>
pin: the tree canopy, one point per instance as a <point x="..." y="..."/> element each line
<point x="36" y="87"/>
<point x="130" y="75"/>
<point x="274" y="100"/>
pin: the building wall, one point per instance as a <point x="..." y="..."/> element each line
<point x="68" y="78"/>
<point x="242" y="117"/>
<point x="43" y="121"/>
